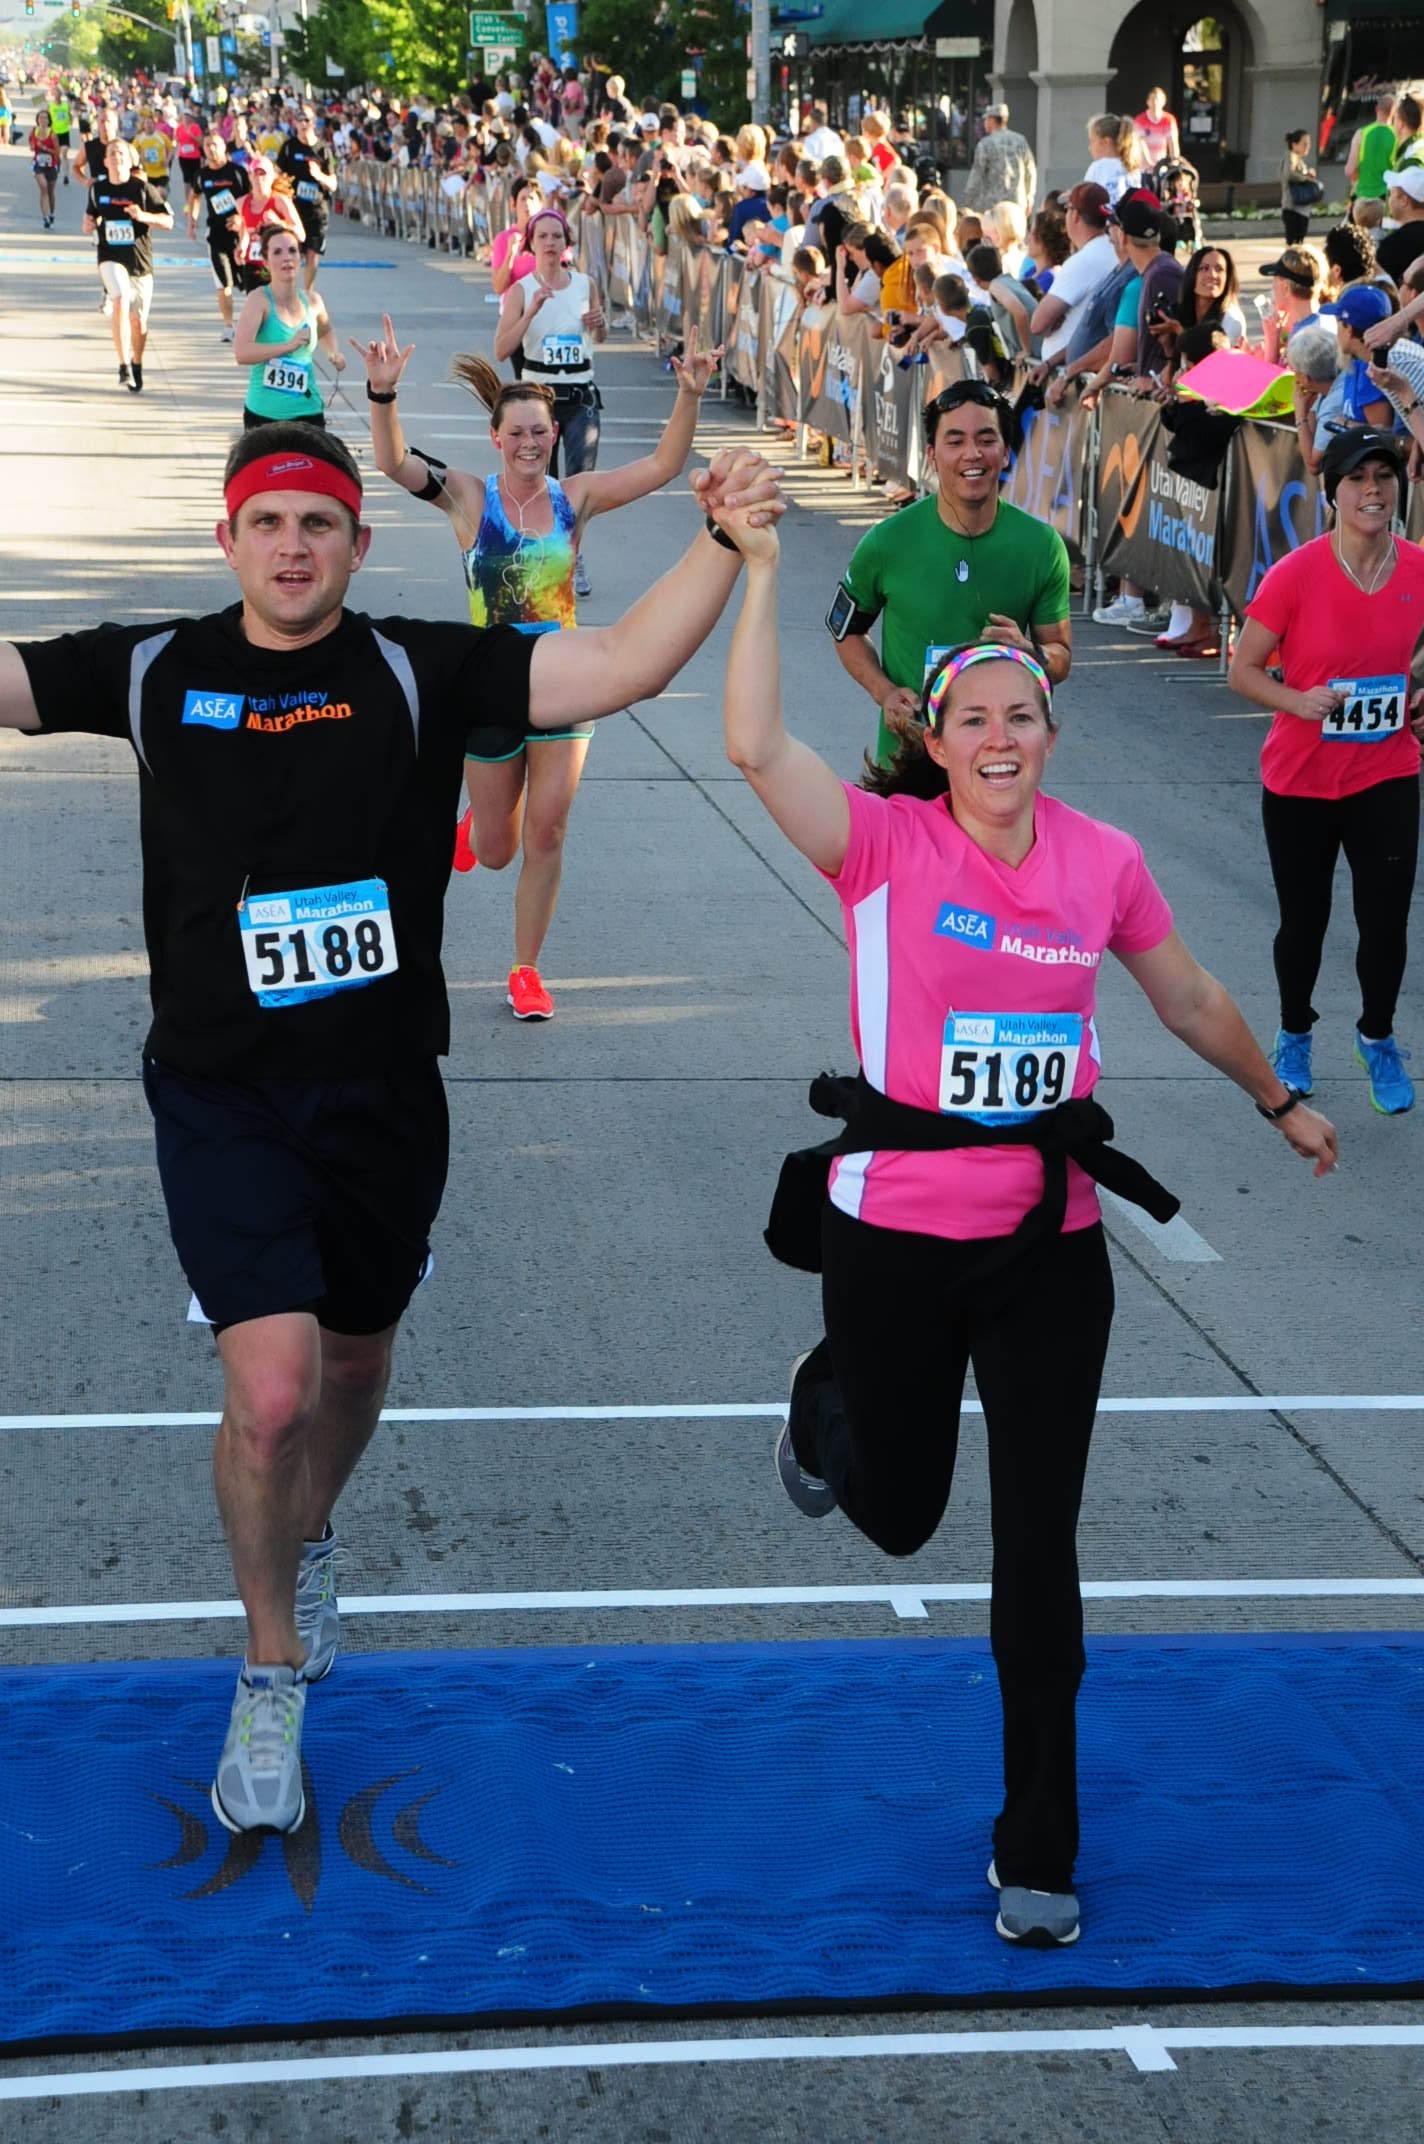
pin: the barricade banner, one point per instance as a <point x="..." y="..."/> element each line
<point x="670" y="297"/>
<point x="640" y="271"/>
<point x="1154" y="526"/>
<point x="704" y="310"/>
<point x="1273" y="506"/>
<point x="1050" y="469"/>
<point x="734" y="274"/>
<point x="832" y="371"/>
<point x="744" y="332"/>
<point x="1414" y="514"/>
<point x="778" y="336"/>
<point x="893" y="431"/>
<point x="593" y="253"/>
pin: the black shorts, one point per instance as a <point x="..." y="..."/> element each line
<point x="190" y="166"/>
<point x="252" y="422"/>
<point x="313" y="234"/>
<point x="302" y="1195"/>
<point x="224" y="262"/>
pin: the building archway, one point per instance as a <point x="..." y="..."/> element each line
<point x="1019" y="65"/>
<point x="1202" y="62"/>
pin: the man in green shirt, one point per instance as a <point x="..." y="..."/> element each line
<point x="1371" y="152"/>
<point x="1408" y="140"/>
<point x="961" y="566"/>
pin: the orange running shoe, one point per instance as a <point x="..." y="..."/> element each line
<point x="465" y="857"/>
<point x="527" y="997"/>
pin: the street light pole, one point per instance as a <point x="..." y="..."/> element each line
<point x="761" y="61"/>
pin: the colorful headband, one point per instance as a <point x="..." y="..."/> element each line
<point x="984" y="651"/>
<point x="291" y="472"/>
<point x="558" y="215"/>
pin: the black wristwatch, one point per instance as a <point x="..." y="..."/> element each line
<point x="719" y="535"/>
<point x="1273" y="1116"/>
<point x="373" y="396"/>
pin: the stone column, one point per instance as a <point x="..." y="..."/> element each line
<point x="1066" y="102"/>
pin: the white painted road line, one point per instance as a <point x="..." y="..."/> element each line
<point x="908" y="1602"/>
<point x="749" y="1410"/>
<point x="1147" y="2047"/>
<point x="1175" y="1239"/>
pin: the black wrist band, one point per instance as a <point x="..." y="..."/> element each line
<point x="372" y="396"/>
<point x="720" y="536"/>
<point x="1273" y="1116"/>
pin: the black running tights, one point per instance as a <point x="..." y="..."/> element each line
<point x="876" y="1414"/>
<point x="1379" y="831"/>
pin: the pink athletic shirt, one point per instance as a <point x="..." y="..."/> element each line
<point x="972" y="985"/>
<point x="1330" y="631"/>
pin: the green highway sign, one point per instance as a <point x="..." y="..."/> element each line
<point x="488" y="29"/>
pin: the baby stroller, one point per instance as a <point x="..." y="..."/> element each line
<point x="1175" y="183"/>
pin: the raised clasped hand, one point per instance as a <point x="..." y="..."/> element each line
<point x="735" y="477"/>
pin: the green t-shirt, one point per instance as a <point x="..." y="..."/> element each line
<point x="936" y="589"/>
<point x="1376" y="154"/>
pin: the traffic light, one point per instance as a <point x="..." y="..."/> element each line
<point x="29" y="7"/>
<point x="74" y="9"/>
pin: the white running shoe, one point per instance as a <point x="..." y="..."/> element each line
<point x="227" y="334"/>
<point x="317" y="1609"/>
<point x="583" y="586"/>
<point x="258" y="1786"/>
<point x="1119" y="611"/>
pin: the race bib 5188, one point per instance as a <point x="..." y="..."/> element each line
<point x="317" y="940"/>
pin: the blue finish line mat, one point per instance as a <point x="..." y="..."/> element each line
<point x="516" y="1835"/>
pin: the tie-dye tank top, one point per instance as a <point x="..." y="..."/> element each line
<point x="521" y="580"/>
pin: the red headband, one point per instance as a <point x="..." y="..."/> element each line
<point x="292" y="472"/>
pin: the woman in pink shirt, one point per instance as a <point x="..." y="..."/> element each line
<point x="510" y="257"/>
<point x="978" y="912"/>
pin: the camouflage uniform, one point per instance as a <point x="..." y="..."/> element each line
<point x="1004" y="170"/>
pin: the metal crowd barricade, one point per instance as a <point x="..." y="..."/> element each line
<point x="1122" y="510"/>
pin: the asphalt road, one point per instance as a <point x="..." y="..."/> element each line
<point x="600" y="1246"/>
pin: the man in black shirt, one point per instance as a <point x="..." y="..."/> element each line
<point x="307" y="162"/>
<point x="1398" y="248"/>
<point x="122" y="211"/>
<point x="220" y="186"/>
<point x="299" y="770"/>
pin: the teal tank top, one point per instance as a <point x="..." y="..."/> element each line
<point x="285" y="386"/>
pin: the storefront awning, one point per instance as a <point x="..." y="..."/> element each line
<point x="888" y="22"/>
<point x="1374" y="11"/>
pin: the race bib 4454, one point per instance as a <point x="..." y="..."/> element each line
<point x="1371" y="709"/>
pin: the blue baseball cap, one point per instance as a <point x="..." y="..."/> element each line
<point x="1360" y="307"/>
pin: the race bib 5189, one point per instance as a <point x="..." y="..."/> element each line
<point x="1004" y="1067"/>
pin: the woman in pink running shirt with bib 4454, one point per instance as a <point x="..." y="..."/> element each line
<point x="978" y="911"/>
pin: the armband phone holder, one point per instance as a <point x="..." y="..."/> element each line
<point x="846" y="616"/>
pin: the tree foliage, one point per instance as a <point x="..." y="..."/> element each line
<point x="650" y="42"/>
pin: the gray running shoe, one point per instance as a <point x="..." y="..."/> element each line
<point x="1040" y="1920"/>
<point x="259" y="1777"/>
<point x="1151" y="622"/>
<point x="318" y="1611"/>
<point x="583" y="586"/>
<point x="807" y="1492"/>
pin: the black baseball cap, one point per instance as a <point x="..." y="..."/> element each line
<point x="1139" y="215"/>
<point x="1360" y="443"/>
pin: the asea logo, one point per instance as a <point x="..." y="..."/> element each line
<point x="970" y="924"/>
<point x="214" y="710"/>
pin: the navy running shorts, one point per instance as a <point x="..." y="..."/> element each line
<point x="302" y="1194"/>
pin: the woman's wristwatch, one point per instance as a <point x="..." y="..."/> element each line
<point x="1283" y="1109"/>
